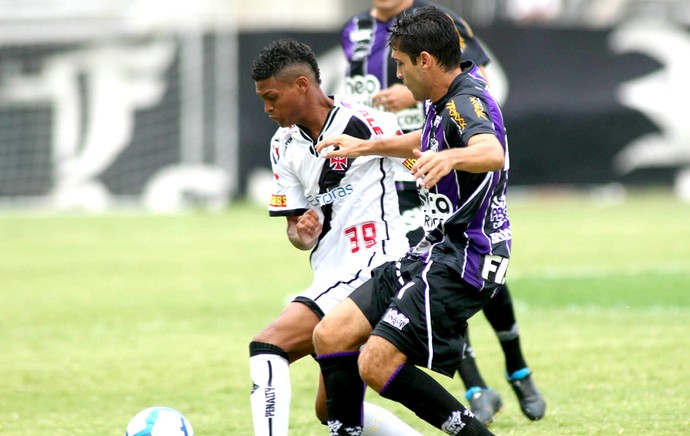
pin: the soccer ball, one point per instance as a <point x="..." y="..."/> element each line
<point x="159" y="421"/>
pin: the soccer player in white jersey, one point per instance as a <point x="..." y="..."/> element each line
<point x="344" y="210"/>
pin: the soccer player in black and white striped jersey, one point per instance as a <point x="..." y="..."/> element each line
<point x="345" y="210"/>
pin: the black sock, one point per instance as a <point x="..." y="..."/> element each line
<point x="500" y="314"/>
<point x="344" y="389"/>
<point x="423" y="395"/>
<point x="468" y="370"/>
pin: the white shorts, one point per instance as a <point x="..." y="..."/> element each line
<point x="329" y="289"/>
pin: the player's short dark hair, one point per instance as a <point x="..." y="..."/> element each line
<point x="281" y="54"/>
<point x="427" y="29"/>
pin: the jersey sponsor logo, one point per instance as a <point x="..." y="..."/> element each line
<point x="454" y="114"/>
<point x="278" y="200"/>
<point x="495" y="268"/>
<point x="275" y="150"/>
<point x="361" y="88"/>
<point x="501" y="235"/>
<point x="361" y="39"/>
<point x="408" y="163"/>
<point x="395" y="318"/>
<point x="338" y="163"/>
<point x="361" y="35"/>
<point x="437" y="208"/>
<point x="478" y="107"/>
<point x="412" y="118"/>
<point x="332" y="195"/>
<point x="499" y="214"/>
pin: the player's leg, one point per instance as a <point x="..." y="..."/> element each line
<point x="377" y="421"/>
<point x="484" y="402"/>
<point x="424" y="323"/>
<point x="337" y="339"/>
<point x="500" y="313"/>
<point x="384" y="368"/>
<point x="287" y="339"/>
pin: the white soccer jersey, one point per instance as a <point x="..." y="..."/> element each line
<point x="355" y="198"/>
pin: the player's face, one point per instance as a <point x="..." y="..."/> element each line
<point x="392" y="6"/>
<point x="410" y="74"/>
<point x="281" y="100"/>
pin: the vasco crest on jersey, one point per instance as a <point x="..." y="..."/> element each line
<point x="338" y="163"/>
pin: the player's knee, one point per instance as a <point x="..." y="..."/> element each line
<point x="378" y="362"/>
<point x="370" y="369"/>
<point x="324" y="336"/>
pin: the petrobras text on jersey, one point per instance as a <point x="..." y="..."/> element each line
<point x="331" y="196"/>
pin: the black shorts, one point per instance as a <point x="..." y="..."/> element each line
<point x="422" y="309"/>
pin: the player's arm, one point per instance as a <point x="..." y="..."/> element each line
<point x="391" y="146"/>
<point x="483" y="154"/>
<point x="303" y="231"/>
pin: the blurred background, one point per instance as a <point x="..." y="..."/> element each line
<point x="148" y="104"/>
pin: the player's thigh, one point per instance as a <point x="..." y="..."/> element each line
<point x="292" y="330"/>
<point x="345" y="328"/>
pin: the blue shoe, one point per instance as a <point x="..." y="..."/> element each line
<point x="484" y="403"/>
<point x="531" y="400"/>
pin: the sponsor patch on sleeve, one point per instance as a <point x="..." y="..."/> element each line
<point x="278" y="201"/>
<point x="407" y="163"/>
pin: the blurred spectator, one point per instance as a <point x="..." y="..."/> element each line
<point x="534" y="11"/>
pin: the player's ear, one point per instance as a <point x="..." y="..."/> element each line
<point x="425" y="59"/>
<point x="302" y="83"/>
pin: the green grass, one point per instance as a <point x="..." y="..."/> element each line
<point x="102" y="316"/>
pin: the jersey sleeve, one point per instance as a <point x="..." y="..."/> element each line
<point x="287" y="194"/>
<point x="464" y="117"/>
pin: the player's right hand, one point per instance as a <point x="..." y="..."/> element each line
<point x="309" y="227"/>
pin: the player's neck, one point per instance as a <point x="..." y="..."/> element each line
<point x="316" y="115"/>
<point x="440" y="84"/>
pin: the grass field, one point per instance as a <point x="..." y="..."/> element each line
<point x="102" y="316"/>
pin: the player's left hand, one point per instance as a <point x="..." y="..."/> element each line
<point x="430" y="168"/>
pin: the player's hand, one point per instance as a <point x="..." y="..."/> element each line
<point x="341" y="146"/>
<point x="430" y="168"/>
<point x="394" y="98"/>
<point x="308" y="227"/>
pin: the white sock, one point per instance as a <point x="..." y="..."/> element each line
<point x="271" y="394"/>
<point x="380" y="422"/>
